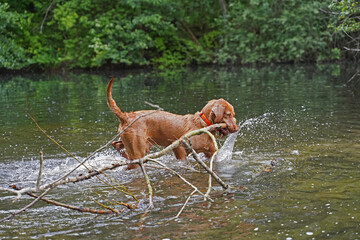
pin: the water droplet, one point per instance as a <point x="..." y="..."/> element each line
<point x="295" y="152"/>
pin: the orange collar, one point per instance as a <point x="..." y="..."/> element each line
<point x="203" y="117"/>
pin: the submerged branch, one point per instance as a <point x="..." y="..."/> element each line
<point x="148" y="183"/>
<point x="26" y="207"/>
<point x="210" y="176"/>
<point x="186" y="202"/>
<point x="182" y="178"/>
<point x="216" y="177"/>
<point x="80" y="209"/>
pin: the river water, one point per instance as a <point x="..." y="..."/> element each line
<point x="301" y="119"/>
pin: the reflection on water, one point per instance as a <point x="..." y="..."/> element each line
<point x="302" y="118"/>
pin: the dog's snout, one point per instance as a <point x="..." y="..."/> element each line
<point x="236" y="128"/>
<point x="231" y="125"/>
<point x="233" y="128"/>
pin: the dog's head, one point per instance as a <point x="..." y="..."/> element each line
<point x="220" y="111"/>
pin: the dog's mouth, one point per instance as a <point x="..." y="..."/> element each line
<point x="223" y="131"/>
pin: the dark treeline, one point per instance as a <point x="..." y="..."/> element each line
<point x="164" y="34"/>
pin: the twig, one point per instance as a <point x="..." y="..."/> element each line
<point x="53" y="140"/>
<point x="186" y="202"/>
<point x="211" y="160"/>
<point x="26" y="207"/>
<point x="188" y="146"/>
<point x="44" y="19"/>
<point x="148" y="183"/>
<point x="128" y="206"/>
<point x="104" y="206"/>
<point x="181" y="177"/>
<point x="116" y="202"/>
<point x="19" y="194"/>
<point x="189" y="32"/>
<point x="352" y="49"/>
<point x="123" y="190"/>
<point x="223" y="8"/>
<point x="328" y="12"/>
<point x="352" y="78"/>
<point x="154" y="105"/>
<point x="40" y="171"/>
<point x="218" y="179"/>
<point x="151" y="202"/>
<point x="80" y="209"/>
<point x="211" y="168"/>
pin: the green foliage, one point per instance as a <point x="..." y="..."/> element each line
<point x="348" y="15"/>
<point x="12" y="54"/>
<point x="281" y="31"/>
<point x="347" y="25"/>
<point x="160" y="33"/>
<point x="93" y="33"/>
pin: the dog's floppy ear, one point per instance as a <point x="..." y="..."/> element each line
<point x="217" y="113"/>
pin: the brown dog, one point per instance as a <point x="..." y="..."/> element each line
<point x="163" y="128"/>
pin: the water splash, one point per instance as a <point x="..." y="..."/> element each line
<point x="226" y="151"/>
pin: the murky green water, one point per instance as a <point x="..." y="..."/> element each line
<point x="304" y="118"/>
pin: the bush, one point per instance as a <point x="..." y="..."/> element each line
<point x="12" y="54"/>
<point x="277" y="31"/>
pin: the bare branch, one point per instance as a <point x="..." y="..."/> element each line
<point x="211" y="168"/>
<point x="40" y="171"/>
<point x="154" y="106"/>
<point x="26" y="207"/>
<point x="46" y="13"/>
<point x="148" y="183"/>
<point x="53" y="140"/>
<point x="216" y="177"/>
<point x="352" y="49"/>
<point x="65" y="179"/>
<point x="107" y="207"/>
<point x="186" y="202"/>
<point x="182" y="178"/>
<point x="353" y="77"/>
<point x="19" y="194"/>
<point x="223" y="8"/>
<point x="80" y="209"/>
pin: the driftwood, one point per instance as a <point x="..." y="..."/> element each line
<point x="66" y="178"/>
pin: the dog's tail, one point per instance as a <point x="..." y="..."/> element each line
<point x="111" y="102"/>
